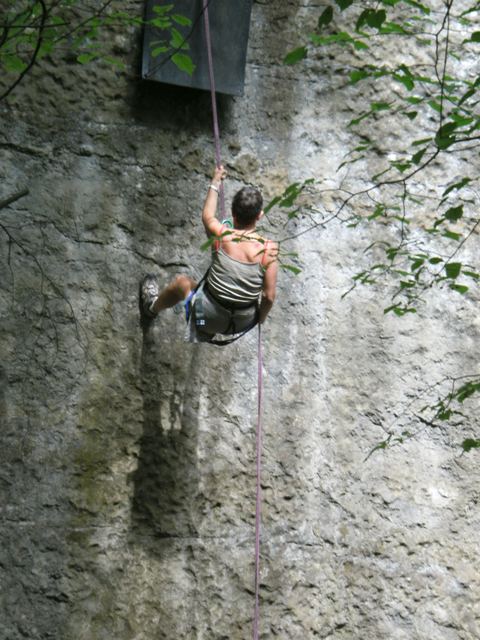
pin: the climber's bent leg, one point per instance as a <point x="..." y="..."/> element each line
<point x="173" y="293"/>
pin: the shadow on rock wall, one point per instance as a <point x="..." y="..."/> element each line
<point x="184" y="110"/>
<point x="166" y="479"/>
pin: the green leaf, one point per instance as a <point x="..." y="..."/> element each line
<point x="295" y="56"/>
<point x="375" y="19"/>
<point x="417" y="143"/>
<point x="290" y="195"/>
<point x="162" y="9"/>
<point x="447" y="129"/>
<point x="467" y="390"/>
<point x="444" y="137"/>
<point x="161" y="22"/>
<point x="325" y="18"/>
<point x="461" y="121"/>
<point x="460" y="288"/>
<point x="475" y="37"/>
<point x="342" y="38"/>
<point x="416" y="264"/>
<point x="182" y="20"/>
<point x="454" y="213"/>
<point x="360" y="45"/>
<point x="435" y="260"/>
<point x="456" y="185"/>
<point x="272" y="203"/>
<point x="14" y="64"/>
<point x="292" y="268"/>
<point x="359" y="276"/>
<point x="401" y="166"/>
<point x="444" y="415"/>
<point x="344" y="4"/>
<point x="113" y="61"/>
<point x="414" y="99"/>
<point x="466" y="96"/>
<point x="46" y="48"/>
<point x="380" y="106"/>
<point x="435" y="105"/>
<point x="452" y="269"/>
<point x="178" y="40"/>
<point x="356" y="121"/>
<point x="418" y="5"/>
<point x="406" y="80"/>
<point x="208" y="243"/>
<point x="469" y="443"/>
<point x="84" y="58"/>
<point x="158" y="51"/>
<point x="416" y="158"/>
<point x="393" y="27"/>
<point x="183" y="62"/>
<point x="379" y="211"/>
<point x="399" y="310"/>
<point x="362" y="18"/>
<point x="357" y="75"/>
<point x="452" y="235"/>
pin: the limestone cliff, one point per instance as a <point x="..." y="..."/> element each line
<point x="127" y="470"/>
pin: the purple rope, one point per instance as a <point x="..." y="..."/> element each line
<point x="258" y="507"/>
<point x="216" y="128"/>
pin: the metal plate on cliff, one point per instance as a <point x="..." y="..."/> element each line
<point x="229" y="26"/>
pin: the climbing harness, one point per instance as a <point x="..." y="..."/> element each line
<point x="194" y="304"/>
<point x="216" y="135"/>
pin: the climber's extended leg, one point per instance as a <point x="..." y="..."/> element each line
<point x="154" y="300"/>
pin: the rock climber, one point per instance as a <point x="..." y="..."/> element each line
<point x="239" y="288"/>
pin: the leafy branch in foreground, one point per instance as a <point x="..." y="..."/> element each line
<point x="32" y="30"/>
<point x="420" y="132"/>
<point x="437" y="102"/>
<point x="447" y="407"/>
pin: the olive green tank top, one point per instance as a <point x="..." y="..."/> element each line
<point x="233" y="281"/>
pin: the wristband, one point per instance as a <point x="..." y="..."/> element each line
<point x="212" y="186"/>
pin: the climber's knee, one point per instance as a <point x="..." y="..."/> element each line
<point x="183" y="285"/>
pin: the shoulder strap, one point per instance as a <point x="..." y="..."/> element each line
<point x="265" y="252"/>
<point x="218" y="242"/>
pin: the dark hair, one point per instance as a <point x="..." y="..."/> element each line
<point x="246" y="205"/>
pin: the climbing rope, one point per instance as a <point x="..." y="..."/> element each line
<point x="258" y="502"/>
<point x="213" y="92"/>
<point x="258" y="506"/>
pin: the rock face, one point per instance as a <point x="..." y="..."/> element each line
<point x="128" y="457"/>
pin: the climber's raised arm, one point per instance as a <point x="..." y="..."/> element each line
<point x="212" y="225"/>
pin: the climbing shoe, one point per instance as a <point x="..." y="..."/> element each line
<point x="149" y="291"/>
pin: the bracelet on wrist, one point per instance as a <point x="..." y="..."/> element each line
<point x="215" y="188"/>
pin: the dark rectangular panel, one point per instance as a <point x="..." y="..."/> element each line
<point x="229" y="26"/>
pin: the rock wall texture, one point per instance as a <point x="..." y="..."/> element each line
<point x="127" y="473"/>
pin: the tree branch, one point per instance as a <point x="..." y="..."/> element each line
<point x="43" y="19"/>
